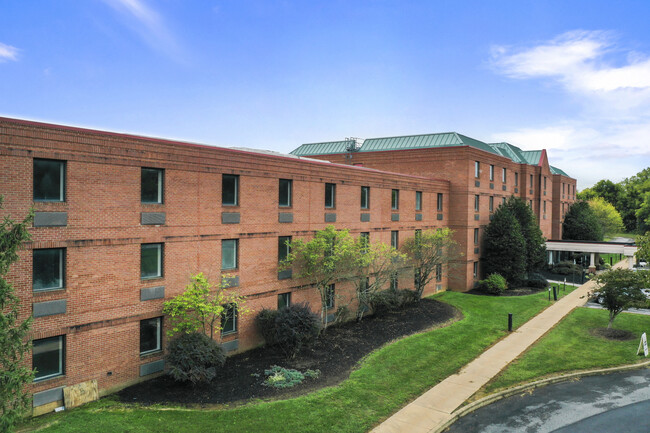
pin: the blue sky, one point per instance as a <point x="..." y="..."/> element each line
<point x="571" y="77"/>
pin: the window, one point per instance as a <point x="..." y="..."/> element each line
<point x="491" y="203"/>
<point x="418" y="200"/>
<point x="491" y="172"/>
<point x="229" y="319"/>
<point x="544" y="182"/>
<point x="544" y="206"/>
<point x="365" y="197"/>
<point x="364" y="238"/>
<point x="394" y="199"/>
<point x="48" y="269"/>
<point x="418" y="234"/>
<point x="284" y="300"/>
<point x="477" y="169"/>
<point x="563" y="184"/>
<point x="151" y="260"/>
<point x="503" y="200"/>
<point x="439" y="202"/>
<point x="475" y="271"/>
<point x="530" y="203"/>
<point x="329" y="297"/>
<point x="394" y="239"/>
<point x="504" y="177"/>
<point x="283" y="247"/>
<point x="476" y="202"/>
<point x="475" y="236"/>
<point x="330" y="195"/>
<point x="230" y="190"/>
<point x="150" y="335"/>
<point x="49" y="180"/>
<point x="531" y="181"/>
<point x="516" y="179"/>
<point x="364" y="285"/>
<point x="393" y="281"/>
<point x="151" y="185"/>
<point x="438" y="272"/>
<point x="286" y="191"/>
<point x="48" y="357"/>
<point x="229" y="254"/>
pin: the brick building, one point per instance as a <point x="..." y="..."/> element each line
<point x="122" y="222"/>
<point x="481" y="176"/>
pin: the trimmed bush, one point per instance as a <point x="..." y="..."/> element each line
<point x="389" y="300"/>
<point x="494" y="284"/>
<point x="537" y="281"/>
<point x="194" y="358"/>
<point x="290" y="329"/>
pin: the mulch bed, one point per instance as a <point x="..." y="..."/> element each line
<point x="613" y="334"/>
<point x="336" y="352"/>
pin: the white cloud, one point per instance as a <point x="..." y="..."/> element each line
<point x="7" y="52"/>
<point x="148" y="24"/>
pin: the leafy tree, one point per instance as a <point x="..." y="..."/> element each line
<point x="608" y="190"/>
<point x="14" y="342"/>
<point x="535" y="242"/>
<point x="643" y="214"/>
<point x="504" y="247"/>
<point x="633" y="197"/>
<point x="427" y="252"/>
<point x="200" y="307"/>
<point x="586" y="194"/>
<point x="619" y="288"/>
<point x="374" y="264"/>
<point x="643" y="243"/>
<point x="326" y="258"/>
<point x="581" y="223"/>
<point x="608" y="217"/>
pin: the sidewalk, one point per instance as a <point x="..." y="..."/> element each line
<point x="434" y="408"/>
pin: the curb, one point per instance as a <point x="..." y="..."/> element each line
<point x="509" y="392"/>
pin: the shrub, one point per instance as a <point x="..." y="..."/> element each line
<point x="194" y="358"/>
<point x="566" y="268"/>
<point x="537" y="281"/>
<point x="290" y="329"/>
<point x="280" y="377"/>
<point x="385" y="301"/>
<point x="494" y="284"/>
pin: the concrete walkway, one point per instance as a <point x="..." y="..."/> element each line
<point x="429" y="412"/>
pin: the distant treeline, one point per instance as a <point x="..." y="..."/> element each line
<point x="630" y="197"/>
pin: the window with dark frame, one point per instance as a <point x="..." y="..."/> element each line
<point x="151" y="185"/>
<point x="438" y="272"/>
<point x="440" y="202"/>
<point x="150" y="335"/>
<point x="284" y="300"/>
<point x="504" y="177"/>
<point x="364" y="238"/>
<point x="48" y="357"/>
<point x="544" y="182"/>
<point x="330" y="295"/>
<point x="365" y="197"/>
<point x="394" y="199"/>
<point x="151" y="261"/>
<point x="418" y="234"/>
<point x="394" y="239"/>
<point x="229" y="253"/>
<point x="477" y="169"/>
<point x="230" y="190"/>
<point x="491" y="202"/>
<point x="491" y="172"/>
<point x="283" y="247"/>
<point x="476" y="202"/>
<point x="48" y="269"/>
<point x="516" y="179"/>
<point x="475" y="236"/>
<point x="531" y="181"/>
<point x="475" y="271"/>
<point x="418" y="200"/>
<point x="229" y="319"/>
<point x="394" y="278"/>
<point x="330" y="195"/>
<point x="285" y="192"/>
<point x="49" y="180"/>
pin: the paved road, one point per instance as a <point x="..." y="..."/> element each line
<point x="618" y="402"/>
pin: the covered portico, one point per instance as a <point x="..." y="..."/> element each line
<point x="626" y="249"/>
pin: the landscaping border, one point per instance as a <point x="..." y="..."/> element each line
<point x="515" y="390"/>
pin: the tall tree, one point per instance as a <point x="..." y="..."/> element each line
<point x="643" y="242"/>
<point x="581" y="224"/>
<point x="504" y="247"/>
<point x="321" y="261"/>
<point x="608" y="217"/>
<point x="430" y="253"/>
<point x="14" y="342"/>
<point x="535" y="242"/>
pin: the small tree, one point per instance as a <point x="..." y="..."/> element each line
<point x="372" y="268"/>
<point x="504" y="247"/>
<point x="323" y="260"/>
<point x="14" y="342"/>
<point x="619" y="288"/>
<point x="581" y="224"/>
<point x="200" y="307"/>
<point x="429" y="252"/>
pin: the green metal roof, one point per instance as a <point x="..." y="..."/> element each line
<point x="555" y="170"/>
<point x="445" y="139"/>
<point x="325" y="148"/>
<point x="532" y="157"/>
<point x="509" y="151"/>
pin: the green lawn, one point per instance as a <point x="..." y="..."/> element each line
<point x="570" y="346"/>
<point x="386" y="381"/>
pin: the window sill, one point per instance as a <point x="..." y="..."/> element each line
<point x="47" y="379"/>
<point x="280" y="207"/>
<point x="147" y="355"/>
<point x="230" y="206"/>
<point x="229" y="333"/>
<point x="44" y="291"/>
